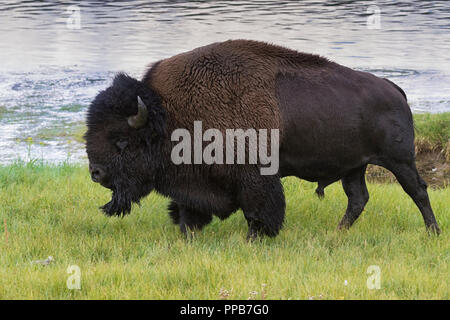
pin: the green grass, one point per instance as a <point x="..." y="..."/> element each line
<point x="433" y="133"/>
<point x="434" y="128"/>
<point x="53" y="211"/>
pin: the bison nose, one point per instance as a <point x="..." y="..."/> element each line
<point x="98" y="174"/>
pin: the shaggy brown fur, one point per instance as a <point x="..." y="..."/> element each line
<point x="219" y="83"/>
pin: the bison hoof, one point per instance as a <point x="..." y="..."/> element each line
<point x="251" y="236"/>
<point x="434" y="229"/>
<point x="257" y="229"/>
<point x="342" y="226"/>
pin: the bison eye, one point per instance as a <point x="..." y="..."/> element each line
<point x="121" y="144"/>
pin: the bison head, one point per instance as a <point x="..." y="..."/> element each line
<point x="126" y="129"/>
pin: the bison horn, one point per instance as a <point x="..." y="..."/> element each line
<point x="140" y="119"/>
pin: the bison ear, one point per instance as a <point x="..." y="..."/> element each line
<point x="140" y="119"/>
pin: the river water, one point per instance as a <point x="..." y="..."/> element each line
<point x="55" y="56"/>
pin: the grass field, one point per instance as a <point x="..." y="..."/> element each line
<point x="53" y="211"/>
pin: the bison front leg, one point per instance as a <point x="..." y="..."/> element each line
<point x="262" y="201"/>
<point x="174" y="212"/>
<point x="354" y="185"/>
<point x="187" y="219"/>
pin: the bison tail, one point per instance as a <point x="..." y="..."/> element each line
<point x="398" y="88"/>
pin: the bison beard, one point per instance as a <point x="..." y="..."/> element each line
<point x="123" y="195"/>
<point x="120" y="203"/>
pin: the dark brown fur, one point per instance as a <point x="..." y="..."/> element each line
<point x="220" y="83"/>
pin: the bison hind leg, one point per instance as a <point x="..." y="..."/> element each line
<point x="355" y="188"/>
<point x="416" y="188"/>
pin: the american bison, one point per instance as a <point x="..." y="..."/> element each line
<point x="333" y="121"/>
